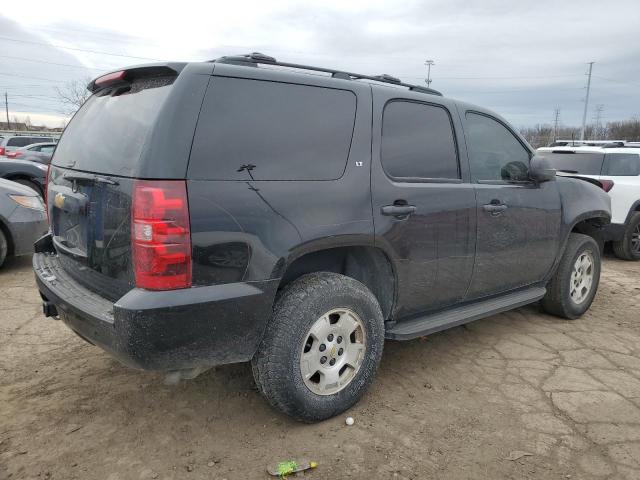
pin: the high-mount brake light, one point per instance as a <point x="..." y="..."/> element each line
<point x="110" y="78"/>
<point x="161" y="235"/>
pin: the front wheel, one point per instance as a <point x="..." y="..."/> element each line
<point x="628" y="248"/>
<point x="575" y="283"/>
<point x="322" y="347"/>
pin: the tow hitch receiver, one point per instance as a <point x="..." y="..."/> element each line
<point x="49" y="309"/>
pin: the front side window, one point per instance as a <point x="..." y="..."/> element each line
<point x="495" y="154"/>
<point x="418" y="142"/>
<point x="621" y="164"/>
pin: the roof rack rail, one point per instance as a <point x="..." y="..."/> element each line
<point x="255" y="58"/>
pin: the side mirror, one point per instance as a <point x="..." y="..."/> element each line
<point x="540" y="169"/>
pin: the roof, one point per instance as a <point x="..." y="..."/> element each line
<point x="254" y="59"/>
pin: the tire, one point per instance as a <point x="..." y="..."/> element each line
<point x="559" y="299"/>
<point x="629" y="247"/>
<point x="328" y="302"/>
<point x="30" y="184"/>
<point x="3" y="248"/>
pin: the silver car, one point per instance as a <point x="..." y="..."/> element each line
<point x="38" y="152"/>
<point x="22" y="219"/>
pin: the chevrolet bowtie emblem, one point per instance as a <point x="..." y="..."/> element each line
<point x="58" y="200"/>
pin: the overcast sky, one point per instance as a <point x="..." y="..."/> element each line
<point x="522" y="59"/>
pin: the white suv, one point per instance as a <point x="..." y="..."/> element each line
<point x="618" y="170"/>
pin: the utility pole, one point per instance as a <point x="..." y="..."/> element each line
<point x="598" y="118"/>
<point x="556" y="122"/>
<point x="6" y="109"/>
<point x="429" y="63"/>
<point x="586" y="102"/>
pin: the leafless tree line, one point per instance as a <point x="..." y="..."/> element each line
<point x="543" y="134"/>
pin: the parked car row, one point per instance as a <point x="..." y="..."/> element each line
<point x="617" y="168"/>
<point x="24" y="162"/>
<point x="10" y="143"/>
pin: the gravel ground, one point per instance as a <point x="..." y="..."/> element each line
<point x="518" y="395"/>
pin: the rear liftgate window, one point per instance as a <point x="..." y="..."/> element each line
<point x="109" y="131"/>
<point x="253" y="129"/>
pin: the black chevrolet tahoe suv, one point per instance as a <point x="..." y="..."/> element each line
<point x="296" y="217"/>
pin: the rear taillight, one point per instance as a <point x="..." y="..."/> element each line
<point x="607" y="185"/>
<point x="2" y="150"/>
<point x="160" y="234"/>
<point x="14" y="154"/>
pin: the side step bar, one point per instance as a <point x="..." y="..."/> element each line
<point x="431" y="323"/>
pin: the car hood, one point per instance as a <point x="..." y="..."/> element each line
<point x="13" y="188"/>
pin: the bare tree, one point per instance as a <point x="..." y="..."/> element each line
<point x="73" y="94"/>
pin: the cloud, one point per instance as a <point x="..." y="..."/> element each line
<point x="522" y="59"/>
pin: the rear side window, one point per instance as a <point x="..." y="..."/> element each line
<point x="125" y="117"/>
<point x="494" y="151"/>
<point x="418" y="142"/>
<point x="259" y="130"/>
<point x="586" y="163"/>
<point x="621" y="164"/>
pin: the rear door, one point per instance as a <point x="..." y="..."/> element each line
<point x="423" y="205"/>
<point x="518" y="219"/>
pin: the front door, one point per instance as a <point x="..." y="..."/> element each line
<point x="518" y="219"/>
<point x="423" y="206"/>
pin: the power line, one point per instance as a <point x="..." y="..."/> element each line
<point x="32" y="78"/>
<point x="78" y="49"/>
<point x="53" y="63"/>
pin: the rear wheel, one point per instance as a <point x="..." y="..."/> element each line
<point x="629" y="247"/>
<point x="3" y="248"/>
<point x="575" y="283"/>
<point x="322" y="348"/>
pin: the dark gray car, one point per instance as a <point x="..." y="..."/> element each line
<point x="22" y="219"/>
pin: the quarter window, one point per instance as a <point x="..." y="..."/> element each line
<point x="494" y="152"/>
<point x="260" y="130"/>
<point x="418" y="142"/>
<point x="621" y="164"/>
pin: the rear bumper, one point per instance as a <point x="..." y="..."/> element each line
<point x="171" y="330"/>
<point x="613" y="231"/>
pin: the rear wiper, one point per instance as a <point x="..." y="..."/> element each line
<point x="94" y="178"/>
<point x="567" y="171"/>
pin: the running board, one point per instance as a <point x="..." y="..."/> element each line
<point x="434" y="322"/>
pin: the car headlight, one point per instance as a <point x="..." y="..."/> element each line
<point x="27" y="201"/>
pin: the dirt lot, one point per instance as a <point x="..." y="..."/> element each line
<point x="461" y="404"/>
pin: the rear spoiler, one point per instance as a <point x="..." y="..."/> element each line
<point x="127" y="75"/>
